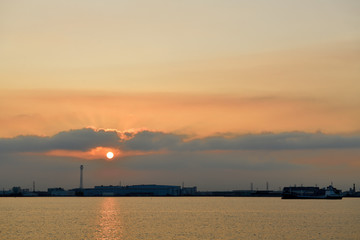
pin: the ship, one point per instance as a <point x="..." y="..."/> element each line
<point x="311" y="193"/>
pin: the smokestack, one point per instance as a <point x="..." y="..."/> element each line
<point x="81" y="176"/>
<point x="251" y="187"/>
<point x="267" y="186"/>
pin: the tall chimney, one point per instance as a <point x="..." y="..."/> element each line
<point x="81" y="176"/>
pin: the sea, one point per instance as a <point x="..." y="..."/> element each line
<point x="178" y="218"/>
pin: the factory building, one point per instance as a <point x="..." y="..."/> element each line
<point x="60" y="192"/>
<point x="189" y="191"/>
<point x="134" y="190"/>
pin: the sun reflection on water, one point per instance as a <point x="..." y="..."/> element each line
<point x="109" y="226"/>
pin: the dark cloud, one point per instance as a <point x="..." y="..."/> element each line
<point x="147" y="141"/>
<point x="85" y="139"/>
<point x="153" y="141"/>
<point x="223" y="159"/>
<point x="81" y="139"/>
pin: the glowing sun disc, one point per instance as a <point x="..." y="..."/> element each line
<point x="110" y="155"/>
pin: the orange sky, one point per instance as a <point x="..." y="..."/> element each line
<point x="197" y="68"/>
<point x="47" y="113"/>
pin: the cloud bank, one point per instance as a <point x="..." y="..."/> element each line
<point x="146" y="141"/>
<point x="214" y="162"/>
<point x="80" y="140"/>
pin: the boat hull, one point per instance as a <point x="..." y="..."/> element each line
<point x="311" y="193"/>
<point x="312" y="197"/>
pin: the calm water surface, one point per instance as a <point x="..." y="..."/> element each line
<point x="178" y="218"/>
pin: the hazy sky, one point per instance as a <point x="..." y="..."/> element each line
<point x="216" y="94"/>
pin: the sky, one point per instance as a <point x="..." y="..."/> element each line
<point x="213" y="94"/>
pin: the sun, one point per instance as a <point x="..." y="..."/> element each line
<point x="110" y="155"/>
